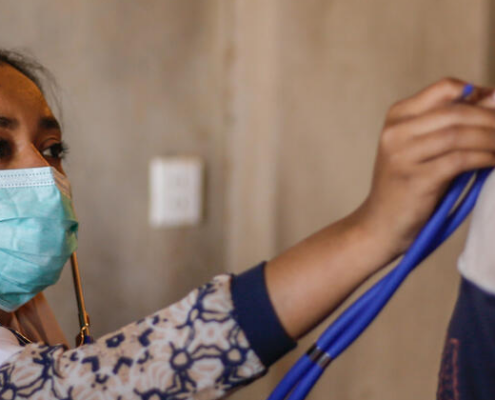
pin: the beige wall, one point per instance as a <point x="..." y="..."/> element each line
<point x="284" y="100"/>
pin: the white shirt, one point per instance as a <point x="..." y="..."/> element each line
<point x="477" y="261"/>
<point x="9" y="345"/>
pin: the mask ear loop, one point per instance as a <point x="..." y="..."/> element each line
<point x="84" y="336"/>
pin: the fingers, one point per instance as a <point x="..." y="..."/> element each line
<point x="440" y="93"/>
<point x="443" y="169"/>
<point x="444" y="117"/>
<point x="486" y="99"/>
<point x="453" y="139"/>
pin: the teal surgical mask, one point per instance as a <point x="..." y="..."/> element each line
<point x="38" y="232"/>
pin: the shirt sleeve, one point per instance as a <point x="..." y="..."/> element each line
<point x="257" y="317"/>
<point x="195" y="349"/>
<point x="468" y="362"/>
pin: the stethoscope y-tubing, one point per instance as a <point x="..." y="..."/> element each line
<point x="362" y="313"/>
<point x="356" y="312"/>
<point x="348" y="327"/>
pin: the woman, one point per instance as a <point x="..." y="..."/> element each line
<point x="228" y="332"/>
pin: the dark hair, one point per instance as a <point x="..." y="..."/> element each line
<point x="27" y="65"/>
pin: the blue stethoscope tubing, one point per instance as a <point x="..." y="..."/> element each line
<point x="349" y="326"/>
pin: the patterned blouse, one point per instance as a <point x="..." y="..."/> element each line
<point x="195" y="349"/>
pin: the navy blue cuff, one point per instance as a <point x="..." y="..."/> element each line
<point x="257" y="318"/>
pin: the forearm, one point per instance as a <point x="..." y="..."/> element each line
<point x="308" y="281"/>
<point x="427" y="140"/>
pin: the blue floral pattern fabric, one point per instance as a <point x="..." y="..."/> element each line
<point x="194" y="349"/>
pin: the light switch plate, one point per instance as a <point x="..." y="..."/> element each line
<point x="176" y="191"/>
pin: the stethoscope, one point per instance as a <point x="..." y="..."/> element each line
<point x="448" y="216"/>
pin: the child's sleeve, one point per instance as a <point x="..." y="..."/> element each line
<point x="468" y="362"/>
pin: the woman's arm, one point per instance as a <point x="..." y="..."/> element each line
<point x="427" y="140"/>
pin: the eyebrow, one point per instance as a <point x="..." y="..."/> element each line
<point x="45" y="123"/>
<point x="49" y="123"/>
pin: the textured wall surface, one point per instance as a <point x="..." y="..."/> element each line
<point x="285" y="102"/>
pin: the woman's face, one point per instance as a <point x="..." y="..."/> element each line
<point x="30" y="136"/>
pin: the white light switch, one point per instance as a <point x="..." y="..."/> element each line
<point x="176" y="191"/>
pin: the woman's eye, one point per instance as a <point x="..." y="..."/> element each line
<point x="57" y="150"/>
